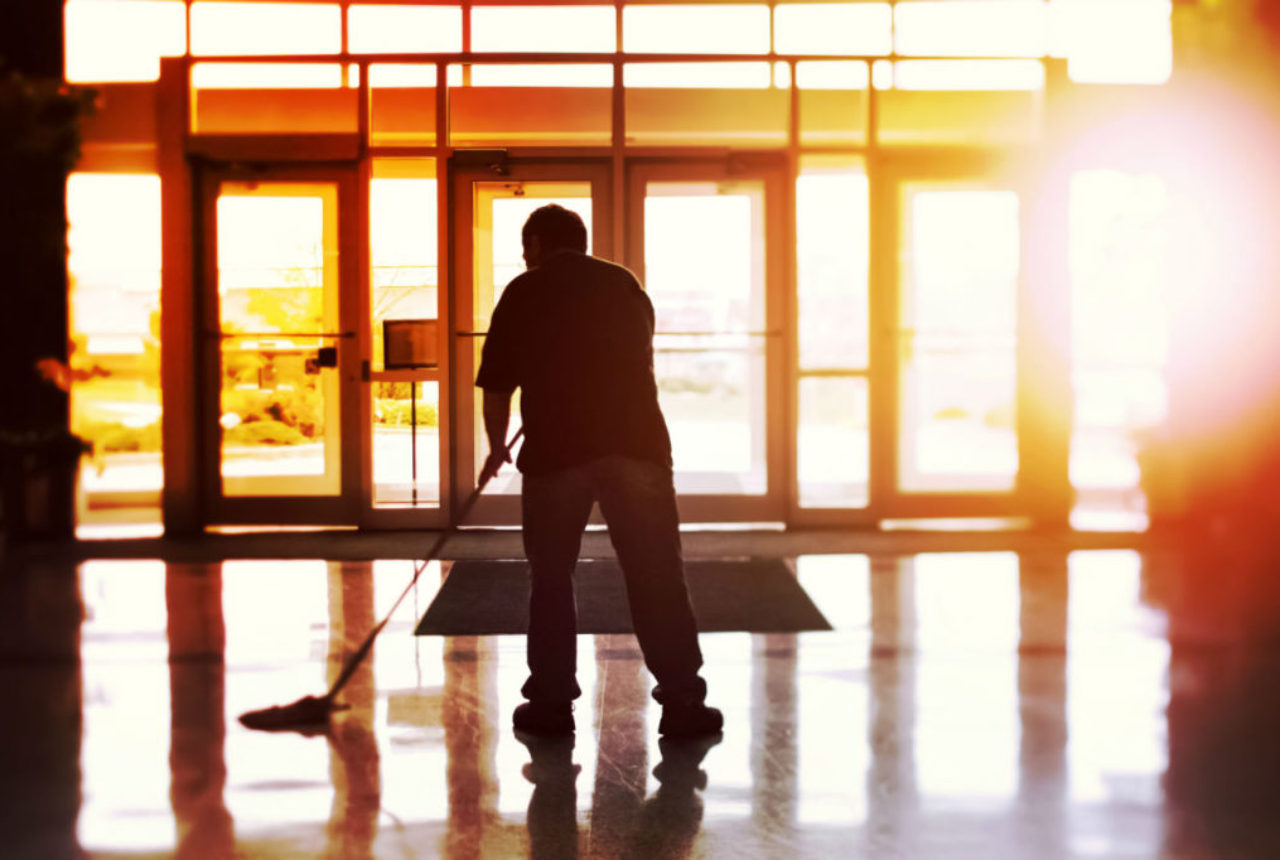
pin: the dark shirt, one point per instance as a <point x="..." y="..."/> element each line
<point x="575" y="335"/>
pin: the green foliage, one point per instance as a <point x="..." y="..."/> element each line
<point x="264" y="432"/>
<point x="397" y="413"/>
<point x="286" y="308"/>
<point x="113" y="437"/>
<point x="1000" y="417"/>
<point x="40" y="120"/>
<point x="300" y="410"/>
<point x="391" y="406"/>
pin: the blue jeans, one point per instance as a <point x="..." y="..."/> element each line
<point x="638" y="501"/>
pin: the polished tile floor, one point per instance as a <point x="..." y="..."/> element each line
<point x="1038" y="704"/>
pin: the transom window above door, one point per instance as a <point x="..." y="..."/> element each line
<point x="1120" y="42"/>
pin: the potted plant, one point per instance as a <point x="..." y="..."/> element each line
<point x="39" y="470"/>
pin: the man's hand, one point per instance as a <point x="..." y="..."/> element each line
<point x="493" y="463"/>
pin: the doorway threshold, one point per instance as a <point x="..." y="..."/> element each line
<point x="472" y="543"/>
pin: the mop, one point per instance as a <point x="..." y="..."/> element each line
<point x="312" y="712"/>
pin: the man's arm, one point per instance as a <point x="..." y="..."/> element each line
<point x="497" y="415"/>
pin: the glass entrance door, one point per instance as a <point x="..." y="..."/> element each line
<point x="698" y="237"/>
<point x="948" y="433"/>
<point x="490" y="208"/>
<point x="280" y="366"/>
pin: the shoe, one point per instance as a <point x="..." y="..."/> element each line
<point x="688" y="721"/>
<point x="550" y="760"/>
<point x="544" y="719"/>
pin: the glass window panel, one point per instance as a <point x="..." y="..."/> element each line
<point x="122" y="40"/>
<point x="832" y="75"/>
<point x="404" y="29"/>
<point x="403" y="424"/>
<point x="833" y="28"/>
<point x="403" y="237"/>
<point x="266" y="76"/>
<point x="882" y="74"/>
<point x="832" y="245"/>
<point x="277" y="258"/>
<point x="584" y="29"/>
<point x="265" y="28"/>
<point x="969" y="75"/>
<point x="114" y="271"/>
<point x="990" y="28"/>
<point x="1119" y="253"/>
<point x="402" y="75"/>
<point x="698" y="75"/>
<point x="542" y="75"/>
<point x="704" y="272"/>
<point x="1106" y="41"/>
<point x="696" y="28"/>
<point x="957" y="341"/>
<point x="781" y="74"/>
<point x="834" y="453"/>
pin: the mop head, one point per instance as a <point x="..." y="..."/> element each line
<point x="309" y="715"/>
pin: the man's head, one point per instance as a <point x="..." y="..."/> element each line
<point x="550" y="229"/>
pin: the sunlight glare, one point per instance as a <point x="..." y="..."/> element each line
<point x="698" y="75"/>
<point x="235" y="76"/>
<point x="833" y="28"/>
<point x="542" y="75"/>
<point x="1113" y="42"/>
<point x="122" y="40"/>
<point x="231" y="28"/>
<point x="696" y="28"/>
<point x="992" y="28"/>
<point x="376" y="29"/>
<point x="832" y="75"/>
<point x="581" y="29"/>
<point x="986" y="75"/>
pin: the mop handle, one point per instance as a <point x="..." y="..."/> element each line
<point x="354" y="661"/>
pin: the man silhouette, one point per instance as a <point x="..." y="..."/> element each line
<point x="575" y="334"/>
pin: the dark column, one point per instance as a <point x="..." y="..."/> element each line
<point x="34" y="152"/>
<point x="38" y="143"/>
<point x="31" y="37"/>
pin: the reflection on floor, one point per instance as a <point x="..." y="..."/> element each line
<point x="1040" y="704"/>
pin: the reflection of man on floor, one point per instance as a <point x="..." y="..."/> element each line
<point x="575" y="334"/>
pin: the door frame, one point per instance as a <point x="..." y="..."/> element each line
<point x="218" y="508"/>
<point x="771" y="170"/>
<point x="464" y="169"/>
<point x="891" y="172"/>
